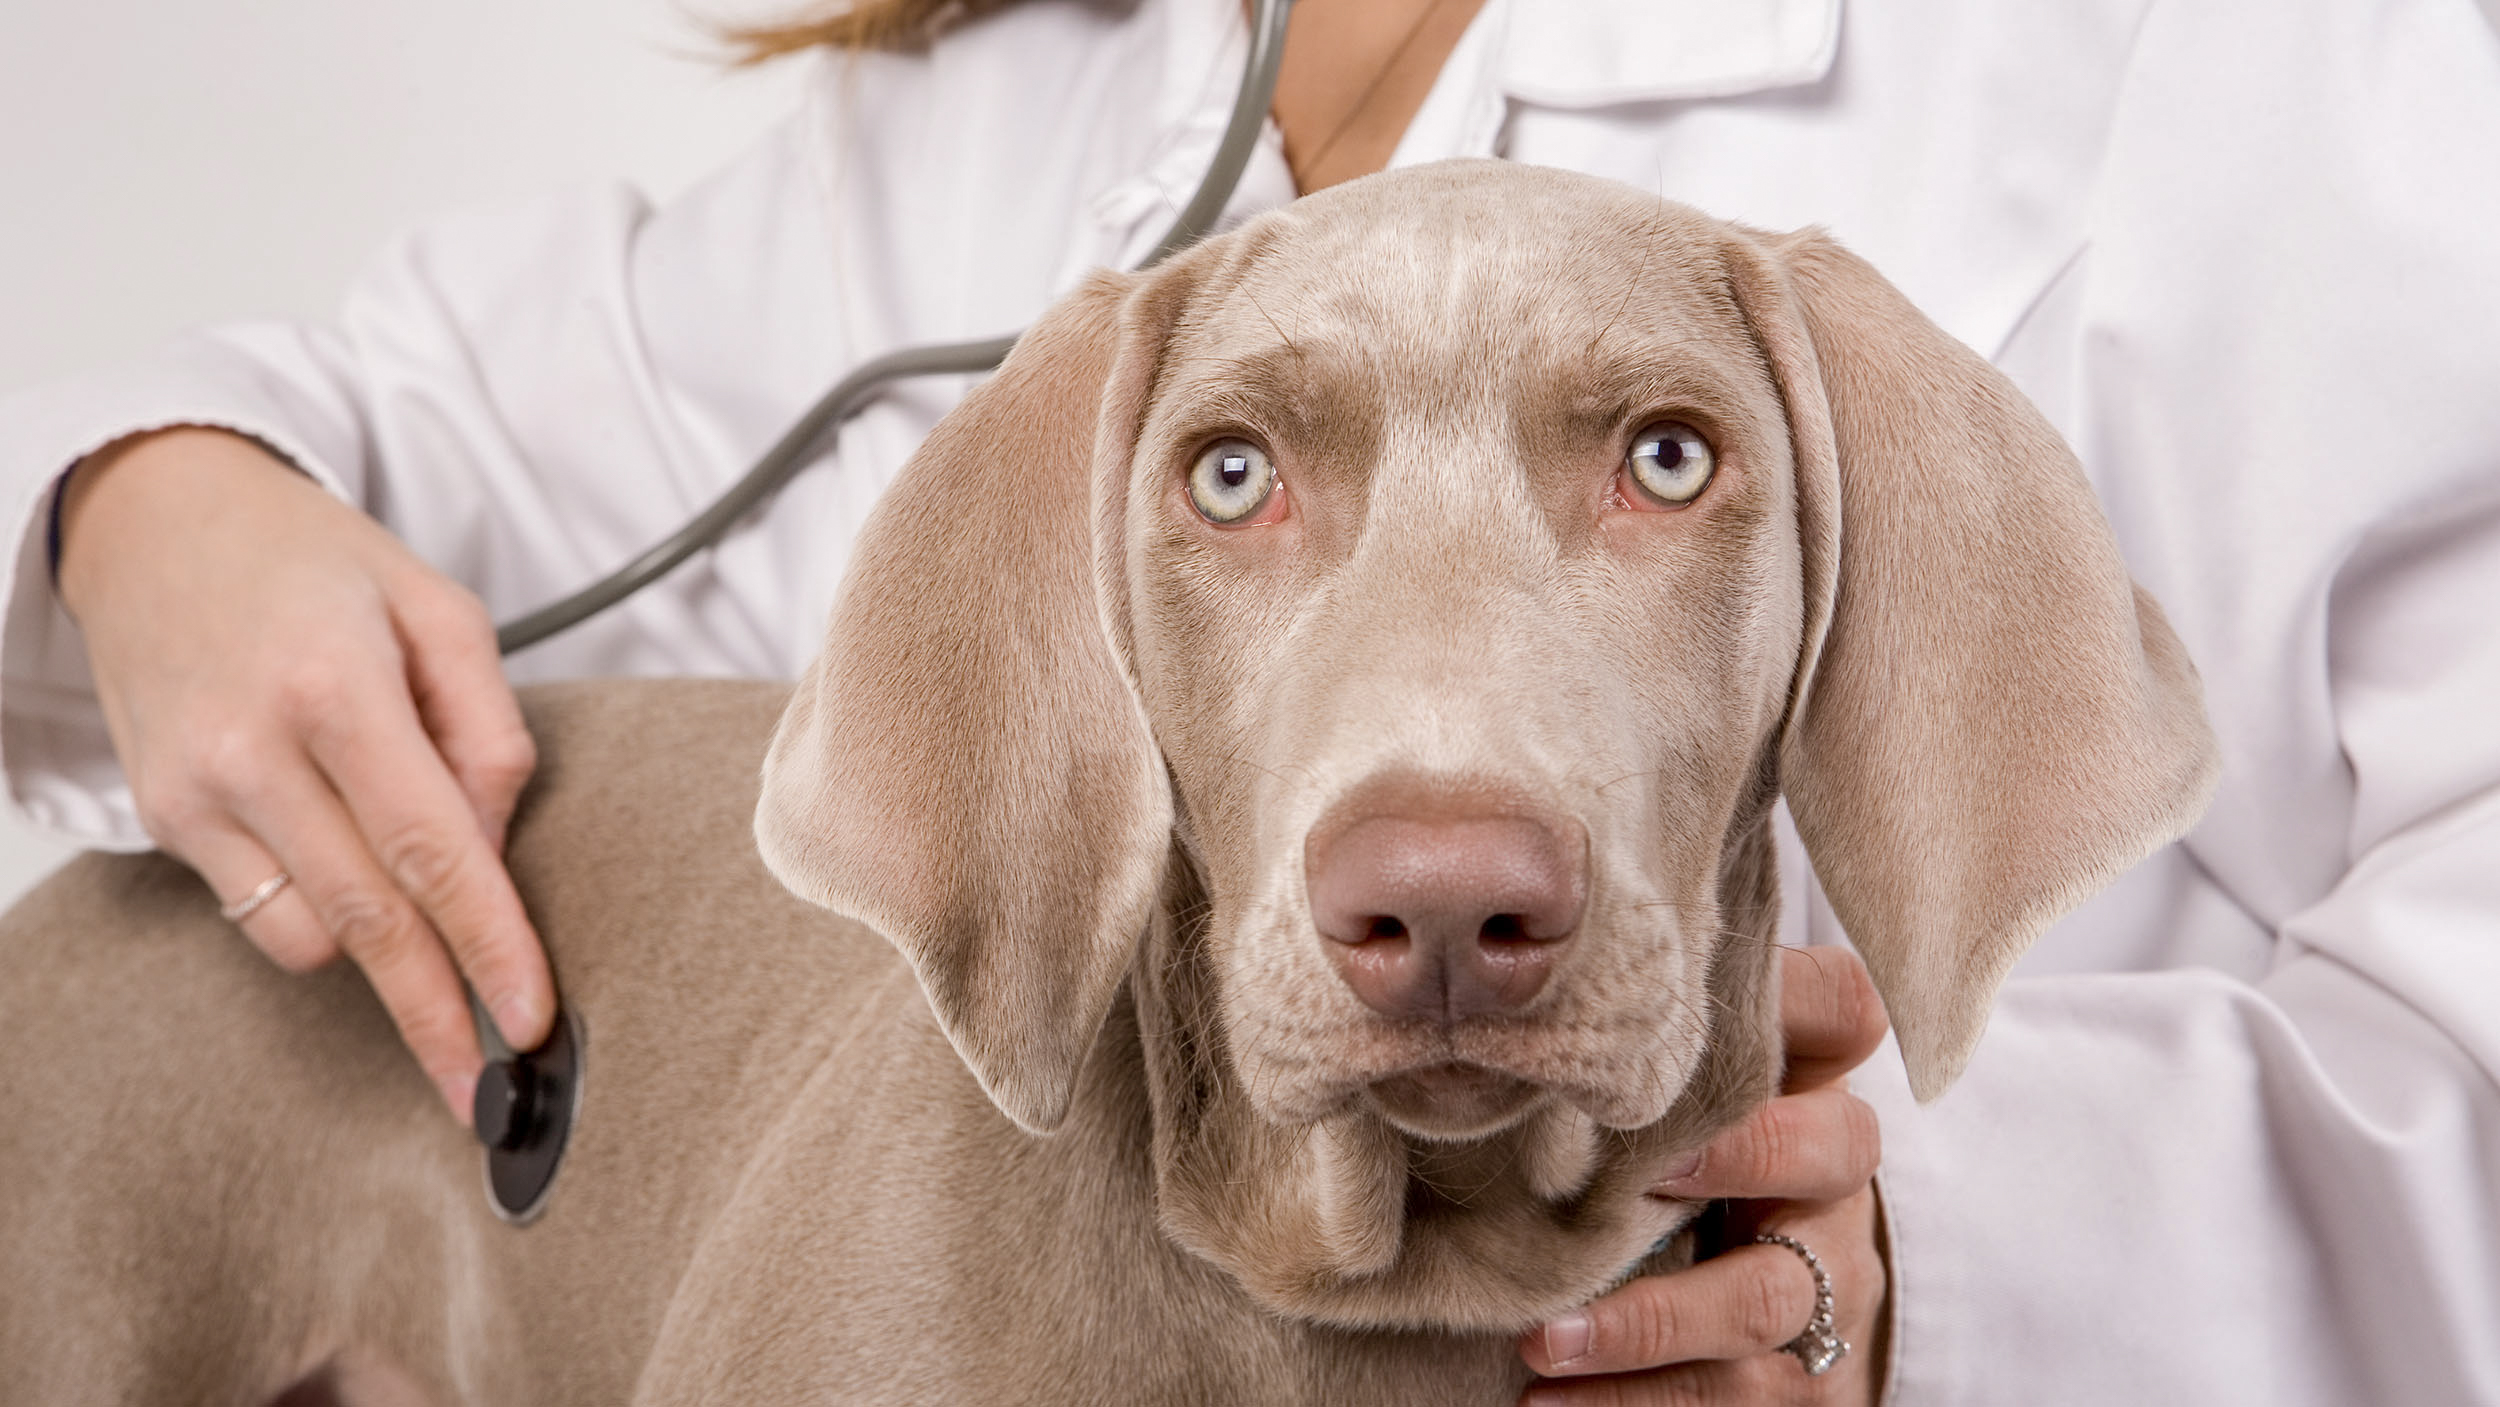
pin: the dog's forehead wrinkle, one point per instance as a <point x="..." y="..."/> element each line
<point x="1601" y="235"/>
<point x="1661" y="355"/>
<point x="1415" y="288"/>
<point x="1257" y="382"/>
<point x="1466" y="335"/>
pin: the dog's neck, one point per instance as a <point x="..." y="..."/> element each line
<point x="1347" y="1220"/>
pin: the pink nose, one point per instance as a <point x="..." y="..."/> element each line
<point x="1446" y="916"/>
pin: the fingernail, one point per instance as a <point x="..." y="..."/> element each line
<point x="516" y="1016"/>
<point x="1684" y="1176"/>
<point x="1566" y="1339"/>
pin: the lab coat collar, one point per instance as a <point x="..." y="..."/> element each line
<point x="1600" y="53"/>
<point x="1547" y="53"/>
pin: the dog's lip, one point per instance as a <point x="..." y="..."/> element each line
<point x="1443" y="1073"/>
<point x="1451" y="1078"/>
<point x="1454" y="1099"/>
<point x="1297" y="1087"/>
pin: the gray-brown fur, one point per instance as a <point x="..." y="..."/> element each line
<point x="1062" y="752"/>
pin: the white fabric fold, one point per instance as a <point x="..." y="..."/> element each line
<point x="1590" y="53"/>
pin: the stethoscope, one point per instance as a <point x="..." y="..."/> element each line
<point x="526" y="1102"/>
<point x="798" y="445"/>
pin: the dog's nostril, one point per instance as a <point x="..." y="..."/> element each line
<point x="1470" y="911"/>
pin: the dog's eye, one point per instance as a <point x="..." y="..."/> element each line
<point x="1230" y="481"/>
<point x="1670" y="462"/>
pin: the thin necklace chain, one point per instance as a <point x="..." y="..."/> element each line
<point x="1363" y="100"/>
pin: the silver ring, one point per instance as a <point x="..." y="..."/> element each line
<point x="1818" y="1346"/>
<point x="249" y="904"/>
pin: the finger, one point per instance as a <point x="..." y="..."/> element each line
<point x="235" y="866"/>
<point x="455" y="676"/>
<point x="421" y="829"/>
<point x="188" y="820"/>
<point x="310" y="831"/>
<point x="1735" y="1383"/>
<point x="1830" y="1015"/>
<point x="1748" y="1301"/>
<point x="1818" y="1146"/>
<point x="1684" y="1385"/>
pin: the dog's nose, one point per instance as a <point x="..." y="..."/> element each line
<point x="1446" y="916"/>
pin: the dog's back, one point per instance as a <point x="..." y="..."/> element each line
<point x="220" y="1177"/>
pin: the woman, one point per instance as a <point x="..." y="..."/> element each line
<point x="2234" y="1135"/>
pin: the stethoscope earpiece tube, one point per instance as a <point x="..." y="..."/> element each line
<point x="797" y="445"/>
<point x="780" y="464"/>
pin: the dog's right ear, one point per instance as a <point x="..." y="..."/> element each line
<point x="966" y="768"/>
<point x="1989" y="720"/>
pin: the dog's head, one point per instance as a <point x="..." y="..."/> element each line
<point x="1382" y="633"/>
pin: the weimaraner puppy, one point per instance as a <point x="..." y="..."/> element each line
<point x="1292" y="776"/>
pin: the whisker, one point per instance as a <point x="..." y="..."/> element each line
<point x="1648" y="247"/>
<point x="1282" y="335"/>
<point x="1239" y="761"/>
<point x="1628" y="776"/>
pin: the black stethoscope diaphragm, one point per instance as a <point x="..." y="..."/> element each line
<point x="523" y="1113"/>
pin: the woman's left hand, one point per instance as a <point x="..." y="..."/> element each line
<point x="1802" y="1165"/>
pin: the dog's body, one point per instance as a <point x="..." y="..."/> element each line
<point x="783" y="1186"/>
<point x="1309" y="727"/>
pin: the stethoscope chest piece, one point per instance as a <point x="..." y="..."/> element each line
<point x="524" y="1113"/>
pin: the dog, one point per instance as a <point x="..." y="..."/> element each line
<point x="1275" y="856"/>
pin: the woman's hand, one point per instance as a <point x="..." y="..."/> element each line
<point x="1804" y="1165"/>
<point x="291" y="690"/>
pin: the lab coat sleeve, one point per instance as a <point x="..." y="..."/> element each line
<point x="293" y="389"/>
<point x="527" y="397"/>
<point x="2274" y="1181"/>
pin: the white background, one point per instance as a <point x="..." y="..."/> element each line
<point x="163" y="165"/>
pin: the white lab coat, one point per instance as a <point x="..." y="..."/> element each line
<point x="2234" y="1135"/>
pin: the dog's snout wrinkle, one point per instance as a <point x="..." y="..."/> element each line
<point x="1446" y="917"/>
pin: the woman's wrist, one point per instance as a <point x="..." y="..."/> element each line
<point x="90" y="504"/>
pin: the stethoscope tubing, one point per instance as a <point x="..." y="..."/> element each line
<point x="798" y="445"/>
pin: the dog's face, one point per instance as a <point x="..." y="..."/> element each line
<point x="1468" y="679"/>
<point x="1450" y="571"/>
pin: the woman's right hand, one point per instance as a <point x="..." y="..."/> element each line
<point x="291" y="690"/>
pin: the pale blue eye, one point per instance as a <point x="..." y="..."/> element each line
<point x="1671" y="462"/>
<point x="1230" y="480"/>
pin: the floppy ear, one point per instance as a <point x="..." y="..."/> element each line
<point x="1990" y="720"/>
<point x="966" y="768"/>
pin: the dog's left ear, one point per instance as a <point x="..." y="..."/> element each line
<point x="966" y="768"/>
<point x="1989" y="719"/>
